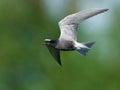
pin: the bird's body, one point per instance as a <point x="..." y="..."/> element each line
<point x="65" y="45"/>
<point x="68" y="37"/>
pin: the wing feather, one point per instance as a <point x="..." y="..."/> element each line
<point x="69" y="24"/>
<point x="55" y="53"/>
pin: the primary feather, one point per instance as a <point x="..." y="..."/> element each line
<point x="69" y="24"/>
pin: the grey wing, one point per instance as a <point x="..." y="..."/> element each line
<point x="69" y="24"/>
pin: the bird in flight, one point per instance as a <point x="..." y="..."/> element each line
<point x="68" y="37"/>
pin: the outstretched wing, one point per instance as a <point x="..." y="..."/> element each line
<point x="55" y="53"/>
<point x="69" y="24"/>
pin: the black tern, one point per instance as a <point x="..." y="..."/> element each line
<point x="68" y="37"/>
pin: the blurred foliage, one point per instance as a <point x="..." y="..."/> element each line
<point x="25" y="63"/>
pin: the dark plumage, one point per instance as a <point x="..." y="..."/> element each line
<point x="68" y="37"/>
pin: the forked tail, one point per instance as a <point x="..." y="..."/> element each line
<point x="84" y="48"/>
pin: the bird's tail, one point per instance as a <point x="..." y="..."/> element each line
<point x="83" y="48"/>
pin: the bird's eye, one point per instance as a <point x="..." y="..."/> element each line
<point x="52" y="41"/>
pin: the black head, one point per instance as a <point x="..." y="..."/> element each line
<point x="51" y="42"/>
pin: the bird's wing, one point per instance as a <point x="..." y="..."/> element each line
<point x="55" y="53"/>
<point x="69" y="24"/>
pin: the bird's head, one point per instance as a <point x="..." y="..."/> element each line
<point x="51" y="42"/>
<point x="47" y="41"/>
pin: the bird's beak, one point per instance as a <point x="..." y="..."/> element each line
<point x="46" y="41"/>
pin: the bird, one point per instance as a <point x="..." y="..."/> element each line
<point x="67" y="40"/>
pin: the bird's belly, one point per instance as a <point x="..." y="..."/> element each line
<point x="66" y="46"/>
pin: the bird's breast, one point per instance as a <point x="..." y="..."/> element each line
<point x="65" y="45"/>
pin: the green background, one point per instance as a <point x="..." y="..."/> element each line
<point x="26" y="64"/>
